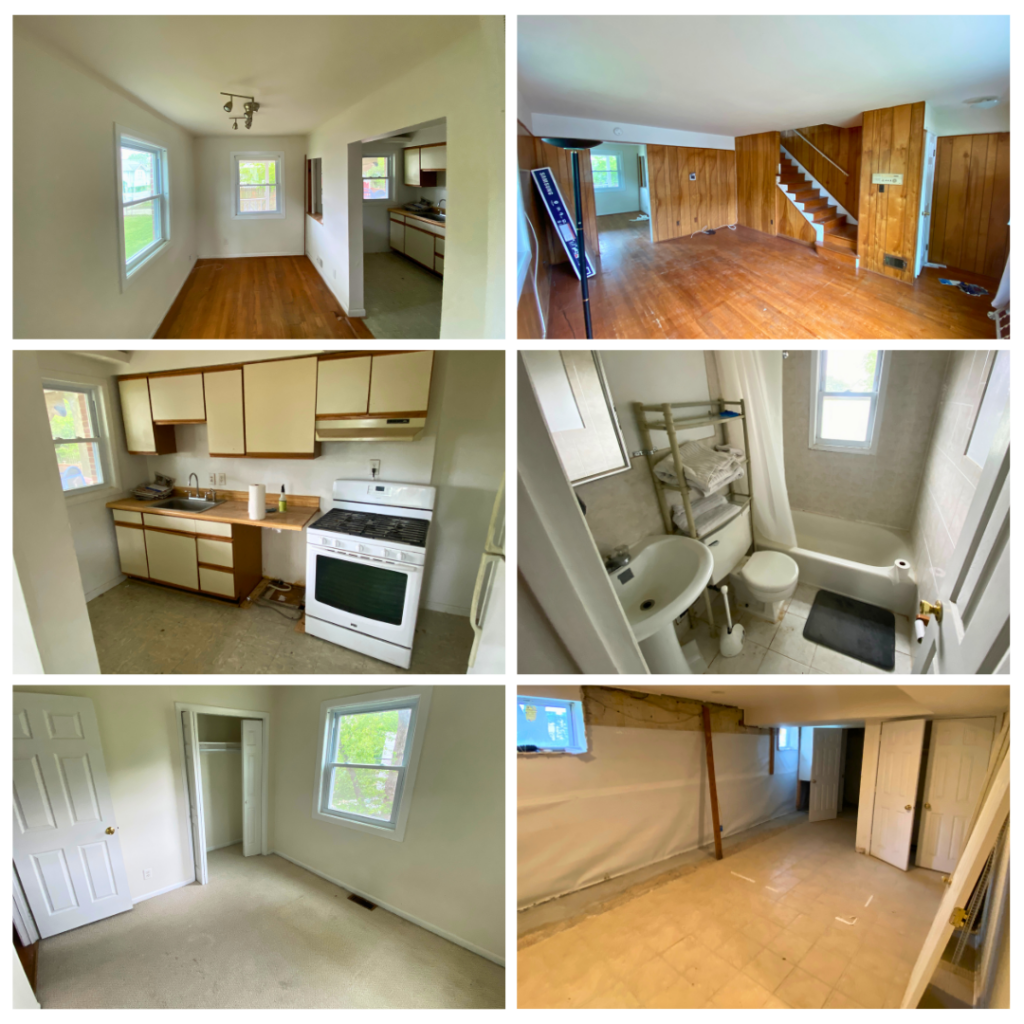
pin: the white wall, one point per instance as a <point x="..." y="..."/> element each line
<point x="67" y="273"/>
<point x="449" y="872"/>
<point x="463" y="83"/>
<point x="627" y="198"/>
<point x="220" y="234"/>
<point x="645" y="190"/>
<point x="964" y="120"/>
<point x="588" y="128"/>
<point x="22" y="995"/>
<point x="376" y="230"/>
<point x="222" y="797"/>
<point x="26" y="651"/>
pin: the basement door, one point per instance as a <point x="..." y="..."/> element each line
<point x="825" y="771"/>
<point x="957" y="761"/>
<point x="65" y="843"/>
<point x="899" y="765"/>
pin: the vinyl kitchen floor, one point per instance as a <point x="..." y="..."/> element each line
<point x="143" y="628"/>
<point x="402" y="299"/>
<point x="769" y="939"/>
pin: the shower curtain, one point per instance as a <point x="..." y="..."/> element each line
<point x="756" y="377"/>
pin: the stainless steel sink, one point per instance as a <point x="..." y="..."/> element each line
<point x="187" y="504"/>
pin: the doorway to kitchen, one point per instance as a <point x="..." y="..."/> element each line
<point x="403" y="202"/>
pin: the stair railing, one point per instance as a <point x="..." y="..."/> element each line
<point x="794" y="131"/>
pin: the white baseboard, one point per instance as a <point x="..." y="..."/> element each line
<point x="247" y="255"/>
<point x="486" y="954"/>
<point x="160" y="892"/>
<point x="234" y="842"/>
<point x="104" y="587"/>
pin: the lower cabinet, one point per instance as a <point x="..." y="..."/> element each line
<point x="419" y="245"/>
<point x="131" y="547"/>
<point x="397" y="235"/>
<point x="172" y="558"/>
<point x="217" y="581"/>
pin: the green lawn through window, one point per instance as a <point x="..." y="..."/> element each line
<point x="138" y="229"/>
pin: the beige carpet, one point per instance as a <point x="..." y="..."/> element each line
<point x="263" y="933"/>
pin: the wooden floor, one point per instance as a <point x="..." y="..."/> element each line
<point x="258" y="297"/>
<point x="744" y="284"/>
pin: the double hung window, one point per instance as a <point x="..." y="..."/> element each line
<point x="847" y="392"/>
<point x="143" y="209"/>
<point x="79" y="441"/>
<point x="257" y="182"/>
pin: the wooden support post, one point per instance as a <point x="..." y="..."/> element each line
<point x="771" y="751"/>
<point x="711" y="782"/>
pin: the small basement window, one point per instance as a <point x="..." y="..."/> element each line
<point x="788" y="737"/>
<point x="847" y="393"/>
<point x="257" y="185"/>
<point x="369" y="749"/>
<point x="549" y="724"/>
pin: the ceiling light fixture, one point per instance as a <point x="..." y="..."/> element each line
<point x="250" y="108"/>
<point x="235" y="125"/>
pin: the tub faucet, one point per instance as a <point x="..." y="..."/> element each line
<point x="617" y="559"/>
<point x="196" y="494"/>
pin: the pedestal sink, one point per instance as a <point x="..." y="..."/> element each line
<point x="664" y="576"/>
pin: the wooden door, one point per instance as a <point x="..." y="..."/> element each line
<point x="343" y="386"/>
<point x="825" y="772"/>
<point x="280" y="407"/>
<point x="899" y="764"/>
<point x="757" y="169"/>
<point x="252" y="787"/>
<point x="65" y="844"/>
<point x="172" y="558"/>
<point x="400" y="384"/>
<point x="178" y="398"/>
<point x="131" y="548"/>
<point x="194" y="777"/>
<point x="225" y="422"/>
<point x="137" y="416"/>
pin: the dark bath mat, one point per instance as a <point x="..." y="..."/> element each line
<point x="854" y="628"/>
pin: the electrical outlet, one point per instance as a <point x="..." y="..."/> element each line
<point x="213" y="479"/>
<point x="147" y="872"/>
<point x="321" y="262"/>
<point x="335" y="273"/>
<point x="222" y="479"/>
<point x="374" y="468"/>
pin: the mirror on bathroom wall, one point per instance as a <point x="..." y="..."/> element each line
<point x="574" y="397"/>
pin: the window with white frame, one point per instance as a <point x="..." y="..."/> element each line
<point x="607" y="168"/>
<point x="257" y="181"/>
<point x="788" y="737"/>
<point x="376" y="177"/>
<point x="549" y="724"/>
<point x="145" y="226"/>
<point x="847" y="394"/>
<point x="79" y="438"/>
<point x="369" y="750"/>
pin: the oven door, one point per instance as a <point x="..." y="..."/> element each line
<point x="378" y="598"/>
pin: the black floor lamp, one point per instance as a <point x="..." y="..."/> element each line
<point x="576" y="146"/>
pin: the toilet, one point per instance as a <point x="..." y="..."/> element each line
<point x="771" y="577"/>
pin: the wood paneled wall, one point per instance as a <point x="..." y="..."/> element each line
<point x="680" y="206"/>
<point x="790" y="223"/>
<point x="560" y="162"/>
<point x="971" y="203"/>
<point x="843" y="145"/>
<point x="757" y="167"/>
<point x="527" y="316"/>
<point x="888" y="221"/>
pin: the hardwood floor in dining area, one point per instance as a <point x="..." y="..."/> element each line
<point x="258" y="297"/>
<point x="745" y="284"/>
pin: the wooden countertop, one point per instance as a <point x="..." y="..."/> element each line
<point x="235" y="512"/>
<point x="416" y="216"/>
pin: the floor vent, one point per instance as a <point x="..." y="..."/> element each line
<point x="365" y="904"/>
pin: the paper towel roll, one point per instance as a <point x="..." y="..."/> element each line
<point x="257" y="501"/>
<point x="902" y="567"/>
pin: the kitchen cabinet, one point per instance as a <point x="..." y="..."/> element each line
<point x="225" y="426"/>
<point x="217" y="581"/>
<point x="400" y="384"/>
<point x="141" y="435"/>
<point x="439" y="264"/>
<point x="131" y="548"/>
<point x="342" y="386"/>
<point x="172" y="558"/>
<point x="415" y="175"/>
<point x="177" y="398"/>
<point x="280" y="408"/>
<point x="214" y="552"/>
<point x="419" y="245"/>
<point x="397" y="226"/>
<point x="434" y="158"/>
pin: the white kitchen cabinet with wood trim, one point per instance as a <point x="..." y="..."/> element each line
<point x="141" y="436"/>
<point x="400" y="383"/>
<point x="438" y="264"/>
<point x="419" y="245"/>
<point x="214" y="552"/>
<point x="434" y="158"/>
<point x="217" y="581"/>
<point x="397" y="225"/>
<point x="225" y="425"/>
<point x="343" y="386"/>
<point x="131" y="549"/>
<point x="280" y="408"/>
<point x="172" y="558"/>
<point x="177" y="398"/>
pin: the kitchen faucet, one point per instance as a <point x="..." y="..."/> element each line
<point x="196" y="495"/>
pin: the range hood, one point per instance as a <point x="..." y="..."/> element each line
<point x="406" y="428"/>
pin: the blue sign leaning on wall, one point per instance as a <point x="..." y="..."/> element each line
<point x="544" y="179"/>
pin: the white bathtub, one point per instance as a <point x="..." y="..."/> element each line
<point x="854" y="559"/>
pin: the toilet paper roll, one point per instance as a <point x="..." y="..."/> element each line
<point x="257" y="501"/>
<point x="902" y="568"/>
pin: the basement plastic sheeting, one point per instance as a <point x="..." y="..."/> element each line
<point x="638" y="797"/>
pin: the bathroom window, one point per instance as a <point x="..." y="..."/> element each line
<point x="549" y="724"/>
<point x="258" y="185"/>
<point x="145" y="227"/>
<point x="788" y="738"/>
<point x="847" y="393"/>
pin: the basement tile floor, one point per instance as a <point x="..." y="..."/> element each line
<point x="780" y="648"/>
<point x="402" y="299"/>
<point x="755" y="930"/>
<point x="144" y="628"/>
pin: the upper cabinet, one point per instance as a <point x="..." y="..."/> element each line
<point x="280" y="408"/>
<point x="343" y="386"/>
<point x="434" y="158"/>
<point x="143" y="438"/>
<point x="415" y="175"/>
<point x="400" y="384"/>
<point x="225" y="425"/>
<point x="177" y="398"/>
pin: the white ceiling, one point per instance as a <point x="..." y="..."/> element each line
<point x="302" y="70"/>
<point x="733" y="75"/>
<point x="767" y="705"/>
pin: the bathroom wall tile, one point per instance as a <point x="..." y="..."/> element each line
<point x="623" y="508"/>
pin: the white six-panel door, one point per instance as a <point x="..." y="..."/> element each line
<point x="252" y="787"/>
<point x="65" y="842"/>
<point x="957" y="760"/>
<point x="899" y="765"/>
<point x="825" y="771"/>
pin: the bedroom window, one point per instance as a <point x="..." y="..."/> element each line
<point x="257" y="182"/>
<point x="607" y="171"/>
<point x="847" y="393"/>
<point x="144" y="223"/>
<point x="549" y="724"/>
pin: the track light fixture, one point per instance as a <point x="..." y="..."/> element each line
<point x="228" y="105"/>
<point x="235" y="125"/>
<point x="250" y="108"/>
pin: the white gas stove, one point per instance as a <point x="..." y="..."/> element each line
<point x="364" y="567"/>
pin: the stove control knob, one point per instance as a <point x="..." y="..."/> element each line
<point x="325" y="540"/>
<point x="392" y="554"/>
<point x="365" y="549"/>
<point x="406" y="557"/>
<point x="339" y="543"/>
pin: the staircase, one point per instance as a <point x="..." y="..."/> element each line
<point x="840" y="237"/>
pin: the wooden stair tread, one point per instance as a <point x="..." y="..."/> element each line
<point x="823" y="213"/>
<point x="845" y="230"/>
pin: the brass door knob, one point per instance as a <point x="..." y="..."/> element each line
<point x="927" y="807"/>
<point x="907" y="808"/>
<point x="110" y="831"/>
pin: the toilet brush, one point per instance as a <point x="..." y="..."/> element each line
<point x="730" y="643"/>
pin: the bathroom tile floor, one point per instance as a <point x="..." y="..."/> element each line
<point x="755" y="930"/>
<point x="780" y="648"/>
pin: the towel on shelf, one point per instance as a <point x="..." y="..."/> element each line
<point x="708" y="514"/>
<point x="706" y="469"/>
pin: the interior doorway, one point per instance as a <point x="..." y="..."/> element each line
<point x="621" y="197"/>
